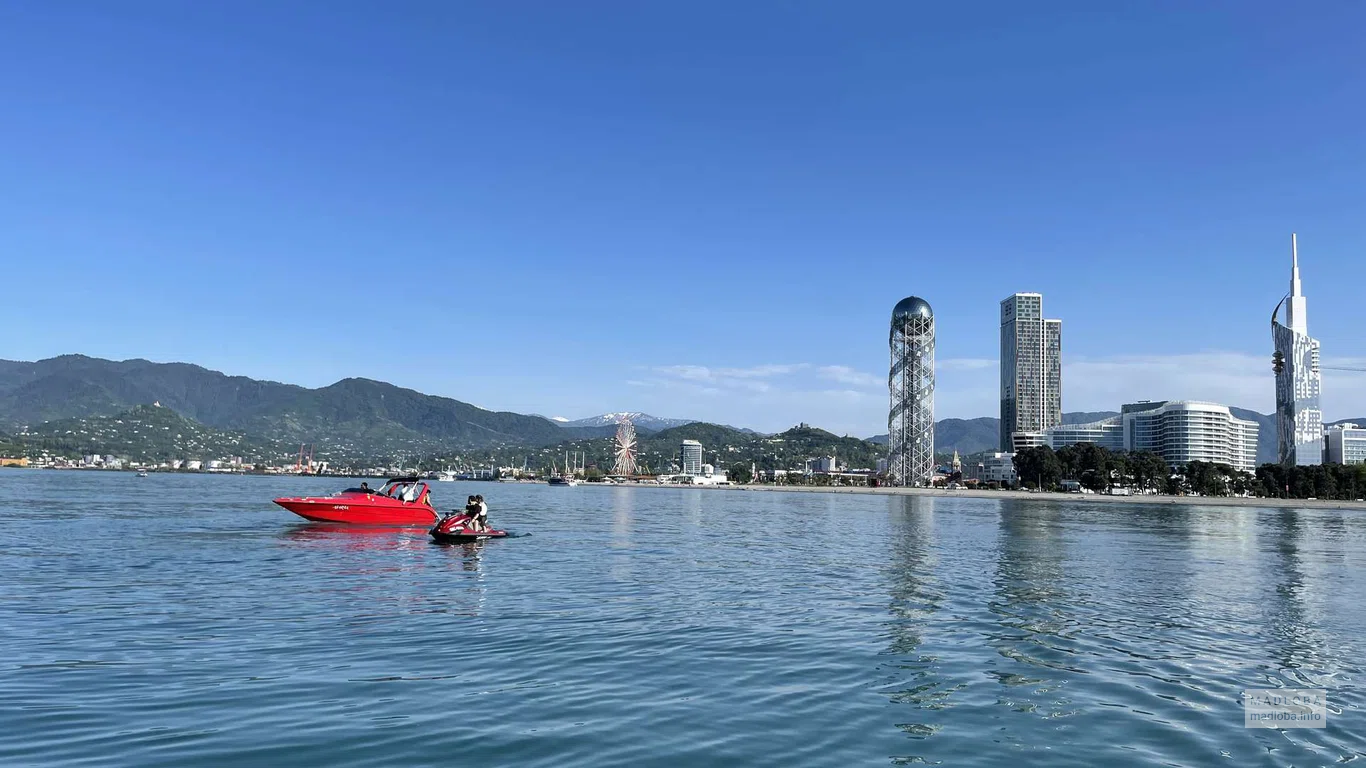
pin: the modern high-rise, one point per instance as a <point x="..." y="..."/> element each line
<point x="1183" y="431"/>
<point x="910" y="419"/>
<point x="1299" y="421"/>
<point x="690" y="457"/>
<point x="1031" y="368"/>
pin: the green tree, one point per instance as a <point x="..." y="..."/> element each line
<point x="1069" y="461"/>
<point x="1038" y="466"/>
<point x="1119" y="469"/>
<point x="1150" y="470"/>
<point x="1093" y="466"/>
<point x="739" y="473"/>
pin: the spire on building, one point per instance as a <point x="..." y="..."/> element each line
<point x="1294" y="266"/>
<point x="1296" y="312"/>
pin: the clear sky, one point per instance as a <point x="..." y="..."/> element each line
<point x="695" y="209"/>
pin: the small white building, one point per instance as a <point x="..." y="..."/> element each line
<point x="999" y="468"/>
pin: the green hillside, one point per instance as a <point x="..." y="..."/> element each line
<point x="353" y="416"/>
<point x="147" y="433"/>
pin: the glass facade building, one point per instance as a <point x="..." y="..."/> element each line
<point x="1345" y="444"/>
<point x="1107" y="433"/>
<point x="1299" y="420"/>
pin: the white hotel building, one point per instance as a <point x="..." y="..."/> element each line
<point x="1179" y="431"/>
<point x="1183" y="431"/>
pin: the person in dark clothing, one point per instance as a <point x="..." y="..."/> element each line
<point x="472" y="511"/>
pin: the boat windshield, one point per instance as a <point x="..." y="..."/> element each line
<point x="403" y="490"/>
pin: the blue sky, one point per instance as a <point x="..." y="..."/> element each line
<point x="701" y="209"/>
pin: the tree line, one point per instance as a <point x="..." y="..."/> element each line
<point x="1100" y="469"/>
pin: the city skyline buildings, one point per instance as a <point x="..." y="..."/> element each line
<point x="1299" y="418"/>
<point x="910" y="384"/>
<point x="1030" y="368"/>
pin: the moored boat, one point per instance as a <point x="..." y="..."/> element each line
<point x="402" y="501"/>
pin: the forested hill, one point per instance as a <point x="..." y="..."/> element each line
<point x="366" y="414"/>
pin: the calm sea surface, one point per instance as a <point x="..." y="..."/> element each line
<point x="183" y="619"/>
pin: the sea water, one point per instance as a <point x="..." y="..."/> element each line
<point x="184" y="619"/>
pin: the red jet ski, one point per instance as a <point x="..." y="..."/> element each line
<point x="402" y="501"/>
<point x="455" y="528"/>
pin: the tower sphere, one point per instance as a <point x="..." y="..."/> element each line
<point x="912" y="306"/>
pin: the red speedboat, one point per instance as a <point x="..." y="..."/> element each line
<point x="456" y="528"/>
<point x="402" y="501"/>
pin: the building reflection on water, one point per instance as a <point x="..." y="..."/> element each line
<point x="1030" y="601"/>
<point x="915" y="603"/>
<point x="1291" y="619"/>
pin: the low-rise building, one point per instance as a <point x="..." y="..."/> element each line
<point x="1022" y="440"/>
<point x="998" y="468"/>
<point x="1107" y="433"/>
<point x="1344" y="444"/>
<point x="822" y="464"/>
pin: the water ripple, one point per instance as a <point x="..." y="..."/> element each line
<point x="201" y="626"/>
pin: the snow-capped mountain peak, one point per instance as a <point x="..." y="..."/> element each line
<point x="641" y="420"/>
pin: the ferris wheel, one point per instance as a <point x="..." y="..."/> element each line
<point x="625" y="448"/>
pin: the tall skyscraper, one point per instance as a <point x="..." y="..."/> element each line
<point x="1299" y="421"/>
<point x="1031" y="368"/>
<point x="910" y="420"/>
<point x="690" y="457"/>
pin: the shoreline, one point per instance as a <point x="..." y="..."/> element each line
<point x="1073" y="498"/>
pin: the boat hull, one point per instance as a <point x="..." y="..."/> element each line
<point x="462" y="536"/>
<point x="359" y="511"/>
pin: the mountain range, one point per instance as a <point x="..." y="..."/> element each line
<point x="643" y="422"/>
<point x="354" y="417"/>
